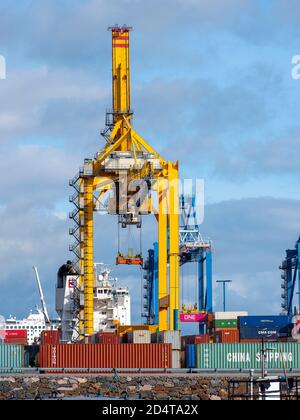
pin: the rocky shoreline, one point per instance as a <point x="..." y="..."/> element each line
<point x="111" y="387"/>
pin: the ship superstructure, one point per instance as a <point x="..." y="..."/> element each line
<point x="111" y="303"/>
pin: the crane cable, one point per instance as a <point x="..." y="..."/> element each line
<point x="118" y="236"/>
<point x="141" y="239"/>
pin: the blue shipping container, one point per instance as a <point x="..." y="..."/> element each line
<point x="264" y="321"/>
<point x="263" y="332"/>
<point x="190" y="356"/>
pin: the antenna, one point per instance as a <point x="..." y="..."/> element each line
<point x="44" y="307"/>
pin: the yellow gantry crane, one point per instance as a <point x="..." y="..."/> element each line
<point x="123" y="179"/>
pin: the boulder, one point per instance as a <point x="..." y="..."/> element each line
<point x="215" y="398"/>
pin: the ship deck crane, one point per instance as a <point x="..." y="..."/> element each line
<point x="43" y="302"/>
<point x="125" y="163"/>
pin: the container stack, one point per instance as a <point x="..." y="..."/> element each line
<point x="270" y="328"/>
<point x="225" y="326"/>
<point x="172" y="338"/>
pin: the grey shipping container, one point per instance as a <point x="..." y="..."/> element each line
<point x="248" y="356"/>
<point x="138" y="337"/>
<point x="11" y="358"/>
<point x="168" y="337"/>
<point x="176" y="359"/>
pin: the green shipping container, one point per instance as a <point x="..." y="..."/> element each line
<point x="248" y="356"/>
<point x="11" y="358"/>
<point x="226" y="324"/>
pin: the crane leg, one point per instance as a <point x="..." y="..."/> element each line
<point x="209" y="282"/>
<point x="162" y="257"/>
<point x="173" y="219"/>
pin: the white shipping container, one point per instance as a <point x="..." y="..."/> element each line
<point x="176" y="359"/>
<point x="220" y="316"/>
<point x="139" y="337"/>
<point x="169" y="337"/>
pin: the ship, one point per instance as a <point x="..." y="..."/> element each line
<point x="112" y="303"/>
<point x="34" y="324"/>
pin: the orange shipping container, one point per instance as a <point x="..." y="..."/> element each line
<point x="228" y="336"/>
<point x="106" y="356"/>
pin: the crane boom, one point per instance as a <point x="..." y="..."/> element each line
<point x="44" y="307"/>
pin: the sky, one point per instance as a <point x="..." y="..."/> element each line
<point x="212" y="87"/>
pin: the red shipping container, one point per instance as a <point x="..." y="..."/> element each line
<point x="106" y="356"/>
<point x="268" y="340"/>
<point x="107" y="338"/>
<point x="202" y="339"/>
<point x="228" y="336"/>
<point x="194" y="339"/>
<point x="16" y="341"/>
<point x="50" y="337"/>
<point x="15" y="334"/>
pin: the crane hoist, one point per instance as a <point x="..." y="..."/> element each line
<point x="122" y="181"/>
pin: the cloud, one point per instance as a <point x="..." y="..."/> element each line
<point x="277" y="156"/>
<point x="73" y="33"/>
<point x="250" y="238"/>
<point x="41" y="102"/>
<point x="36" y="176"/>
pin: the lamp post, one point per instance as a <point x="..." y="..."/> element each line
<point x="224" y="282"/>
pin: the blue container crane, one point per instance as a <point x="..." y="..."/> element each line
<point x="193" y="249"/>
<point x="290" y="268"/>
